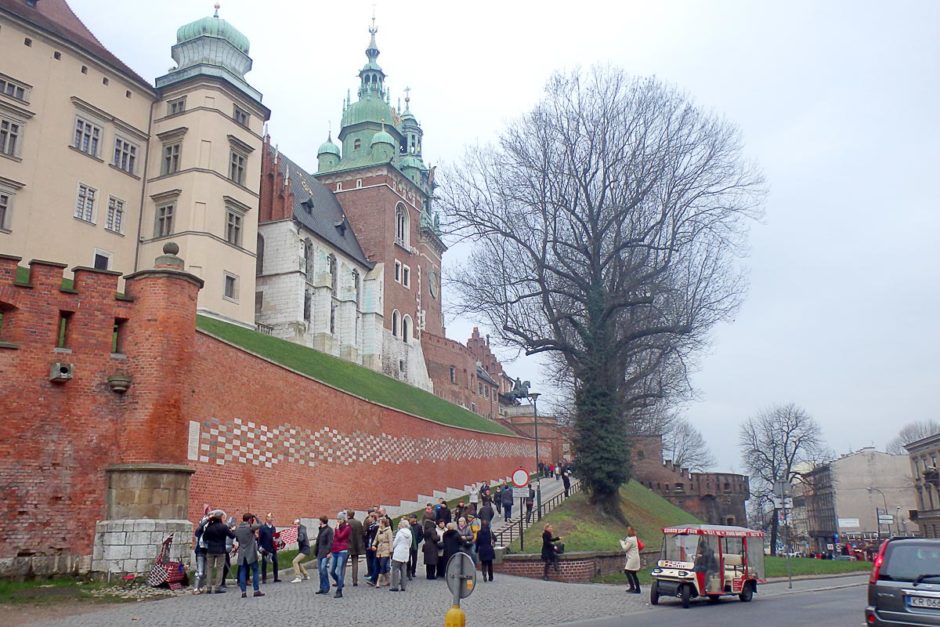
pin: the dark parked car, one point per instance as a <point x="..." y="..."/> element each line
<point x="904" y="587"/>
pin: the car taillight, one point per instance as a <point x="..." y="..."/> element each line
<point x="879" y="560"/>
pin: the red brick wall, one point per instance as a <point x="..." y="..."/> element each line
<point x="420" y="455"/>
<point x="440" y="353"/>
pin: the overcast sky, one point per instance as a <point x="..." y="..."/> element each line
<point x="837" y="103"/>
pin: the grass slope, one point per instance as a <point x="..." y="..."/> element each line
<point x="350" y="377"/>
<point x="583" y="529"/>
<point x="777" y="566"/>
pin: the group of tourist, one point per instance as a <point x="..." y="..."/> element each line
<point x="390" y="555"/>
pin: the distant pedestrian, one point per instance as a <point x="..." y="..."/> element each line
<point x="372" y="528"/>
<point x="324" y="545"/>
<point x="529" y="504"/>
<point x="485" y="550"/>
<point x="452" y="545"/>
<point x="566" y="479"/>
<point x="441" y="529"/>
<point x="401" y="549"/>
<point x="487" y="513"/>
<point x="630" y="546"/>
<point x="549" y="552"/>
<point x="303" y="552"/>
<point x="357" y="544"/>
<point x="248" y="554"/>
<point x="340" y="552"/>
<point x="199" y="549"/>
<point x="474" y="498"/>
<point x="215" y="535"/>
<point x="557" y="471"/>
<point x="507" y="503"/>
<point x="417" y="535"/>
<point x="498" y="500"/>
<point x="268" y="548"/>
<point x="443" y="512"/>
<point x="383" y="552"/>
<point x="432" y="546"/>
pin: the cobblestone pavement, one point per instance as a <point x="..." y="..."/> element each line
<point x="505" y="601"/>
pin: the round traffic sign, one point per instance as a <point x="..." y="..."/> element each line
<point x="461" y="575"/>
<point x="520" y="478"/>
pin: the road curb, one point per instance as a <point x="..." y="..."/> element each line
<point x="784" y="579"/>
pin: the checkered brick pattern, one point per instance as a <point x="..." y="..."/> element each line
<point x="246" y="442"/>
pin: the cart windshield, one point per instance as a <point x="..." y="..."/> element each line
<point x="680" y="547"/>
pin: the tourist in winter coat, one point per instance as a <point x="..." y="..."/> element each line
<point x="340" y="552"/>
<point x="549" y="555"/>
<point x="507" y="502"/>
<point x="452" y="542"/>
<point x="323" y="547"/>
<point x="268" y="545"/>
<point x="372" y="528"/>
<point x="357" y="544"/>
<point x="466" y="535"/>
<point x="631" y="548"/>
<point x="485" y="550"/>
<point x="215" y="535"/>
<point x="248" y="553"/>
<point x="432" y="546"/>
<point x="417" y="535"/>
<point x="303" y="552"/>
<point x="383" y="551"/>
<point x="401" y="549"/>
<point x="487" y="513"/>
<point x="498" y="500"/>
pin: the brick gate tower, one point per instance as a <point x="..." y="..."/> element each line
<point x="385" y="189"/>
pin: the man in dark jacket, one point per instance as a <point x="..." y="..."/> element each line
<point x="303" y="552"/>
<point x="215" y="535"/>
<point x="268" y="548"/>
<point x="417" y="535"/>
<point x="507" y="502"/>
<point x="357" y="544"/>
<point x="487" y="513"/>
<point x="323" y="547"/>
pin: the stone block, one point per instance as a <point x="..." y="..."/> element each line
<point x="143" y="551"/>
<point x="116" y="537"/>
<point x="144" y="525"/>
<point x="138" y="537"/>
<point x="128" y="566"/>
<point x="117" y="552"/>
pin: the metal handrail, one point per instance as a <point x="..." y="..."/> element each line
<point x="515" y="527"/>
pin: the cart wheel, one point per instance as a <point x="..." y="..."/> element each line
<point x="747" y="592"/>
<point x="654" y="594"/>
<point x="714" y="598"/>
<point x="685" y="594"/>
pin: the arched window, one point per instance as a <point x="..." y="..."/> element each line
<point x="331" y="266"/>
<point x="357" y="287"/>
<point x="406" y="329"/>
<point x="259" y="256"/>
<point x="308" y="259"/>
<point x="395" y="322"/>
<point x="333" y="317"/>
<point x="401" y="225"/>
<point x="308" y="304"/>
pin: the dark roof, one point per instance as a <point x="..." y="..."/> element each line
<point x="325" y="217"/>
<point x="483" y="374"/>
<point x="57" y="18"/>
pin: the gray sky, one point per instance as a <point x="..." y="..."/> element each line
<point x="837" y="102"/>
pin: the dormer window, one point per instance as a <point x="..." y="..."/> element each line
<point x="357" y="144"/>
<point x="307" y="205"/>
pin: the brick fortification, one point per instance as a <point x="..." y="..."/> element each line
<point x="147" y="419"/>
<point x="716" y="498"/>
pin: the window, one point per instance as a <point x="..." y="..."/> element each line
<point x="237" y="169"/>
<point x="358" y="183"/>
<point x="453" y="374"/>
<point x="357" y="286"/>
<point x="406" y="276"/>
<point x="102" y="260"/>
<point x="241" y="116"/>
<point x="308" y="259"/>
<point x="398" y="272"/>
<point x="9" y="137"/>
<point x="339" y="187"/>
<point x="308" y="304"/>
<point x="125" y="155"/>
<point x="259" y="302"/>
<point x="115" y="219"/>
<point x="87" y="136"/>
<point x="233" y="227"/>
<point x="395" y="322"/>
<point x="85" y="204"/>
<point x="331" y="267"/>
<point x="164" y="224"/>
<point x="171" y="158"/>
<point x="357" y="144"/>
<point x="105" y="81"/>
<point x="230" y="288"/>
<point x="13" y="89"/>
<point x="405" y="328"/>
<point x="401" y="226"/>
<point x="5" y="202"/>
<point x="333" y="317"/>
<point x="259" y="256"/>
<point x="176" y="106"/>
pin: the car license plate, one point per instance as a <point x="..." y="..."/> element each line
<point x="928" y="602"/>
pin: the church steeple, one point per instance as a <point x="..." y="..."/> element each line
<point x="371" y="76"/>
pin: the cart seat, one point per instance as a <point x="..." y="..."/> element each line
<point x="732" y="559"/>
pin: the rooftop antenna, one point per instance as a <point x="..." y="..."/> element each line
<point x="407" y="99"/>
<point x="217" y="6"/>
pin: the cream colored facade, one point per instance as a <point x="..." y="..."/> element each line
<point x="86" y="180"/>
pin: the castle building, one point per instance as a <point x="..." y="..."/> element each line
<point x="98" y="167"/>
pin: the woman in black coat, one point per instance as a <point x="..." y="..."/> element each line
<point x="431" y="547"/>
<point x="549" y="556"/>
<point x="452" y="542"/>
<point x="485" y="550"/>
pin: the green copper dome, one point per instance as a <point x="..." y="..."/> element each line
<point x="383" y="138"/>
<point x="213" y="27"/>
<point x="411" y="161"/>
<point x="369" y="109"/>
<point x="328" y="148"/>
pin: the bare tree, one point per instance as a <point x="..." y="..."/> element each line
<point x="910" y="432"/>
<point x="778" y="445"/>
<point x="606" y="227"/>
<point x="685" y="446"/>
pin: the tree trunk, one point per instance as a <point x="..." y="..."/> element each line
<point x="774" y="530"/>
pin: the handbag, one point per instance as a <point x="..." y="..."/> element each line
<point x="560" y="548"/>
<point x="640" y="545"/>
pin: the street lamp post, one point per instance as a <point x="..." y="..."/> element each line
<point x="534" y="397"/>
<point x="883" y="498"/>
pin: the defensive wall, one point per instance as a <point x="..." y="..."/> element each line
<point x="120" y="420"/>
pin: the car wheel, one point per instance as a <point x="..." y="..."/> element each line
<point x="654" y="594"/>
<point x="686" y="595"/>
<point x="747" y="592"/>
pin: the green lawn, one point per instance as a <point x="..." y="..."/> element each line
<point x="777" y="566"/>
<point x="42" y="591"/>
<point x="350" y="377"/>
<point x="581" y="528"/>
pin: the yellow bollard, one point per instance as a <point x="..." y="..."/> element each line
<point x="455" y="617"/>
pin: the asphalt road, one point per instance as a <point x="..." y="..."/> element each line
<point x="840" y="606"/>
